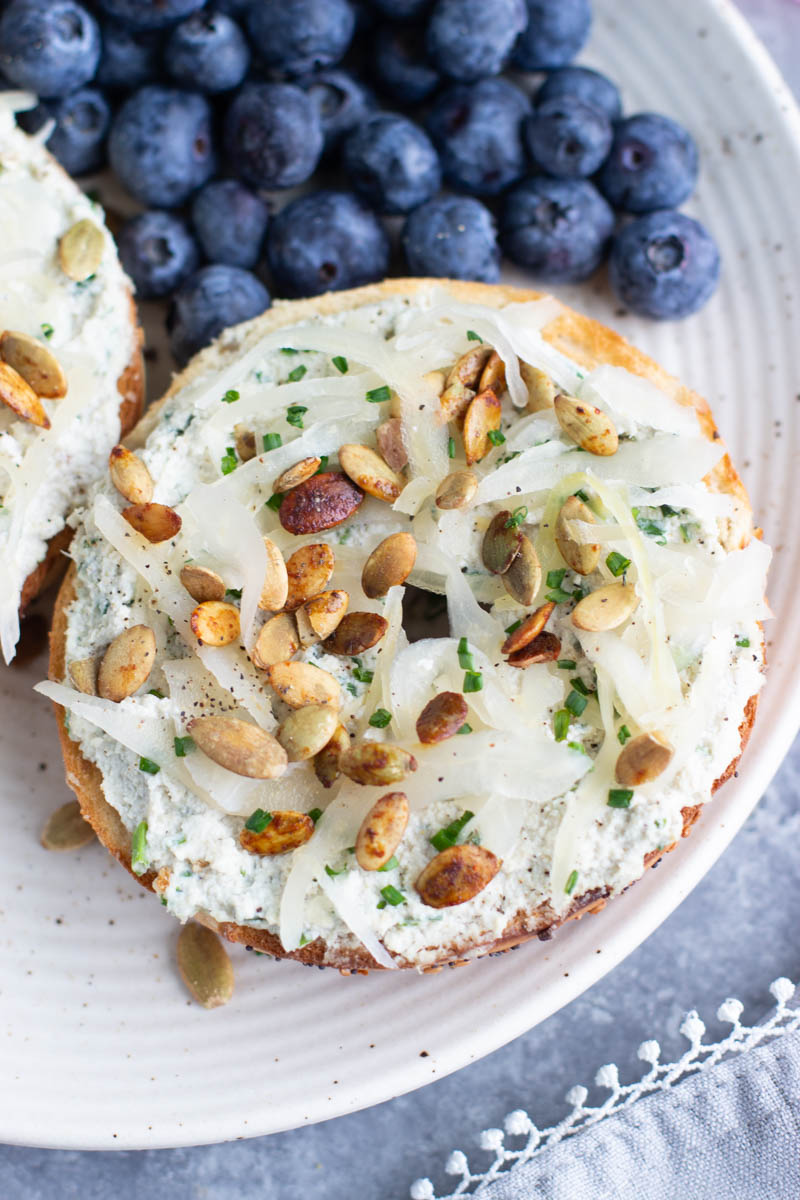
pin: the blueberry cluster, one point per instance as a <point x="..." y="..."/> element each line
<point x="205" y="110"/>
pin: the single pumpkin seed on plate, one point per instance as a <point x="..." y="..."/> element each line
<point x="83" y="673"/>
<point x="321" y="615"/>
<point x="456" y="875"/>
<point x="523" y="578"/>
<point x="381" y="831"/>
<point x="215" y="623"/>
<point x="581" y="557"/>
<point x="643" y="759"/>
<point x="299" y="683"/>
<point x="36" y="363"/>
<point x="590" y="427"/>
<point x="456" y="490"/>
<point x="469" y="367"/>
<point x="156" y="522"/>
<point x="389" y="564"/>
<point x="80" y="250"/>
<point x="326" y="761"/>
<point x="307" y="730"/>
<point x="292" y="477"/>
<point x="275" y="588"/>
<point x="245" y="442"/>
<point x="286" y="830"/>
<point x="372" y="473"/>
<point x="356" y="632"/>
<point x="441" y="718"/>
<point x="308" y="572"/>
<point x="278" y="639"/>
<point x="501" y="543"/>
<point x="204" y="965"/>
<point x="322" y="502"/>
<point x="482" y="418"/>
<point x="606" y="608"/>
<point x="389" y="436"/>
<point x="545" y="647"/>
<point x="18" y="395"/>
<point x="454" y="402"/>
<point x="65" y="829"/>
<point x="530" y="628"/>
<point x="130" y="476"/>
<point x="202" y="583"/>
<point x="541" y="389"/>
<point x="376" y="764"/>
<point x="239" y="746"/>
<point x="126" y="663"/>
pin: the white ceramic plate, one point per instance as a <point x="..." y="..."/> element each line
<point x="100" y="1047"/>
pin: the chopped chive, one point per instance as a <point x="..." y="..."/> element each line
<point x="183" y="745"/>
<point x="378" y="395"/>
<point x="686" y="533"/>
<point x="294" y="415"/>
<point x="451" y="447"/>
<point x="229" y="462"/>
<point x="340" y="362"/>
<point x="231" y="396"/>
<point x="620" y="797"/>
<point x="297" y="374"/>
<point x="743" y="642"/>
<point x="330" y="871"/>
<point x="155" y="692"/>
<point x="303" y="940"/>
<point x="315" y="814"/>
<point x="575" y="703"/>
<point x="556" y="578"/>
<point x="581" y="687"/>
<point x="139" y="849"/>
<point x="513" y="628"/>
<point x="47" y="330"/>
<point x="352" y="689"/>
<point x="362" y="674"/>
<point x="392" y="896"/>
<point x="617" y="563"/>
<point x="623" y="733"/>
<point x="258" y="821"/>
<point x="577" y="746"/>
<point x="465" y="655"/>
<point x="569" y="886"/>
<point x="448" y="836"/>
<point x="558" y="595"/>
<point x="148" y="766"/>
<point x="323" y="464"/>
<point x="272" y="441"/>
<point x="390" y="864"/>
<point x="473" y="682"/>
<point x="274" y="502"/>
<point x="652" y="528"/>
<point x="561" y="724"/>
<point x="289" y="350"/>
<point x="582" y="495"/>
<point x="472" y="336"/>
<point x="380" y="718"/>
<point x="465" y="728"/>
<point x="496" y="437"/>
<point x="668" y="511"/>
<point x="566" y="664"/>
<point x="234" y="593"/>
<point x="516" y="518"/>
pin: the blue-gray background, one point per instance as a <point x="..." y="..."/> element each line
<point x="738" y="930"/>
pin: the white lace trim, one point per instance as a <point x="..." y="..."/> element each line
<point x="658" y="1078"/>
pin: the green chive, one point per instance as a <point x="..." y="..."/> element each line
<point x="577" y="746"/>
<point x="668" y="511"/>
<point x="352" y="689"/>
<point x="272" y="441"/>
<point x="380" y="718"/>
<point x="465" y="655"/>
<point x="340" y="362"/>
<point x="288" y="350"/>
<point x="229" y="462"/>
<point x="686" y="533"/>
<point x="148" y="766"/>
<point x="451" y="447"/>
<point x="183" y="745"/>
<point x="513" y="628"/>
<point x="473" y="682"/>
<point x="575" y="703"/>
<point x="330" y="871"/>
<point x="569" y="886"/>
<point x="465" y="728"/>
<point x="623" y="733"/>
<point x="566" y="664"/>
<point x="472" y="336"/>
<point x="448" y="836"/>
<point x="274" y="502"/>
<point x="362" y="674"/>
<point x="390" y="865"/>
<point x="651" y="528"/>
<point x="556" y="578"/>
<point x="392" y="896"/>
<point x="620" y="798"/>
<point x="496" y="437"/>
<point x="378" y="395"/>
<point x="561" y="724"/>
<point x="230" y="397"/>
<point x="581" y="687"/>
<point x="294" y="415"/>
<point x="303" y="940"/>
<point x="743" y="642"/>
<point x="155" y="692"/>
<point x="581" y="494"/>
<point x="258" y="821"/>
<point x="297" y="374"/>
<point x="617" y="563"/>
<point x="234" y="593"/>
<point x="139" y="849"/>
<point x="47" y="329"/>
<point x="516" y="518"/>
<point x="323" y="464"/>
<point x="315" y="814"/>
<point x="557" y="595"/>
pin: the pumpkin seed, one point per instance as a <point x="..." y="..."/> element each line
<point x="275" y="587"/>
<point x="545" y="647"/>
<point x="130" y="475"/>
<point x="523" y="578"/>
<point x="245" y="442"/>
<point x="286" y="831"/>
<point x="37" y="365"/>
<point x="65" y="829"/>
<point x="307" y="730"/>
<point x="501" y="543"/>
<point x="18" y="395"/>
<point x="372" y="474"/>
<point x="643" y="759"/>
<point x="454" y="402"/>
<point x="277" y="641"/>
<point x="308" y="571"/>
<point x="156" y="522"/>
<point x="441" y="718"/>
<point x="326" y="762"/>
<point x="83" y="673"/>
<point x="469" y="367"/>
<point x="322" y="615"/>
<point x="530" y="628"/>
<point x="456" y="875"/>
<point x="590" y="427"/>
<point x="483" y="416"/>
<point x="80" y="250"/>
<point x="389" y="436"/>
<point x="376" y="764"/>
<point x="126" y="663"/>
<point x="356" y="632"/>
<point x="389" y="564"/>
<point x="215" y="623"/>
<point x="322" y="502"/>
<point x="204" y="965"/>
<point x="381" y="831"/>
<point x="202" y="583"/>
<point x="239" y="746"/>
<point x="541" y="389"/>
<point x="299" y="683"/>
<point x="294" y="476"/>
<point x="493" y="375"/>
<point x="606" y="608"/>
<point x="456" y="490"/>
<point x="581" y="557"/>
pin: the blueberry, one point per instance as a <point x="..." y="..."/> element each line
<point x="477" y="129"/>
<point x="129" y="58"/>
<point x="559" y="228"/>
<point x="341" y="102"/>
<point x="208" y="302"/>
<point x="652" y="164"/>
<point x="50" y="47"/>
<point x="583" y="84"/>
<point x="158" y="252"/>
<point x="326" y="241"/>
<point x="470" y="38"/>
<point x="402" y="10"/>
<point x="557" y="29"/>
<point x="232" y="8"/>
<point x="452" y="237"/>
<point x="664" y="265"/>
<point x="79" y="138"/>
<point x="207" y="52"/>
<point x="391" y="163"/>
<point x="230" y="223"/>
<point x="567" y="138"/>
<point x="149" y="14"/>
<point x="273" y="135"/>
<point x="160" y="145"/>
<point x="292" y="37"/>
<point x="400" y="64"/>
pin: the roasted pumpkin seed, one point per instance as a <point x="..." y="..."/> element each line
<point x="307" y="730"/>
<point x="83" y="673"/>
<point x="541" y="389"/>
<point x="156" y="522"/>
<point x="493" y="375"/>
<point x="590" y="427"/>
<point x="204" y="965"/>
<point x="606" y="608"/>
<point x="275" y="587"/>
<point x="441" y="718"/>
<point x="80" y="250"/>
<point x="456" y="875"/>
<point x="326" y="762"/>
<point x="501" y="543"/>
<point x="454" y="402"/>
<point x="545" y="647"/>
<point x="376" y="764"/>
<point x="356" y="632"/>
<point x="239" y="746"/>
<point x="277" y="641"/>
<point x="581" y="557"/>
<point x="322" y="614"/>
<point x="530" y="628"/>
<point x="126" y="663"/>
<point x="37" y="364"/>
<point x="523" y="578"/>
<point x="18" y="395"/>
<point x="381" y="831"/>
<point x="308" y="571"/>
<point x="299" y="683"/>
<point x="643" y="759"/>
<point x="65" y="829"/>
<point x="456" y="490"/>
<point x="215" y="623"/>
<point x="483" y="416"/>
<point x="389" y="436"/>
<point x="322" y="502"/>
<point x="372" y="474"/>
<point x="469" y="367"/>
<point x="292" y="477"/>
<point x="245" y="442"/>
<point x="286" y="831"/>
<point x="130" y="475"/>
<point x="202" y="583"/>
<point x="389" y="564"/>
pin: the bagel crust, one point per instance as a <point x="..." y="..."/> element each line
<point x="589" y="344"/>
